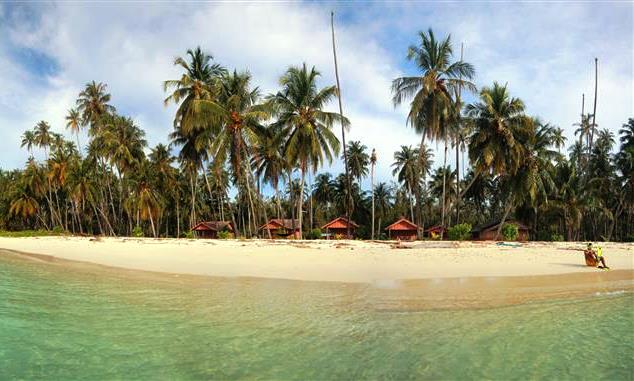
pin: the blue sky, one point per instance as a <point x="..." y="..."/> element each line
<point x="544" y="51"/>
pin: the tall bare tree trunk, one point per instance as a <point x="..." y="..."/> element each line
<point x="343" y="131"/>
<point x="300" y="201"/>
<point x="444" y="190"/>
<point x="594" y="109"/>
<point x="372" y="190"/>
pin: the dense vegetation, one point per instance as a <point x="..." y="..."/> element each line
<point x="229" y="138"/>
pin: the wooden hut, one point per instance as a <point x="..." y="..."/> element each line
<point x="403" y="230"/>
<point x="487" y="231"/>
<point x="339" y="228"/>
<point x="210" y="229"/>
<point x="435" y="232"/>
<point x="280" y="228"/>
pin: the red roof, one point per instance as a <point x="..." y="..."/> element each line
<point x="277" y="223"/>
<point x="340" y="223"/>
<point x="436" y="228"/>
<point x="213" y="225"/>
<point x="402" y="224"/>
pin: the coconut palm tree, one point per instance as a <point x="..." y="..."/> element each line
<point x="383" y="199"/>
<point x="74" y="124"/>
<point x="558" y="138"/>
<point x="92" y="104"/>
<point x="407" y="169"/>
<point x="497" y="120"/>
<point x="435" y="94"/>
<point x="495" y="145"/>
<point x="268" y="161"/>
<point x="200" y="81"/>
<point x="358" y="160"/>
<point x="299" y="110"/>
<point x="28" y="140"/>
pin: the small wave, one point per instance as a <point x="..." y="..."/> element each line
<point x="387" y="283"/>
<point x="610" y="293"/>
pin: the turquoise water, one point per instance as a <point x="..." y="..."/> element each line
<point x="60" y="324"/>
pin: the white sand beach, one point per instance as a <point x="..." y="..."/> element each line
<point x="341" y="261"/>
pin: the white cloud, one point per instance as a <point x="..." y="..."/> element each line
<point x="543" y="51"/>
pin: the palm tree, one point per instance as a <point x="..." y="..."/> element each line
<point x="73" y="123"/>
<point x="92" y="104"/>
<point x="358" y="160"/>
<point x="435" y="101"/>
<point x="200" y="81"/>
<point x="268" y="161"/>
<point x="308" y="128"/>
<point x="372" y="165"/>
<point x="558" y="138"/>
<point x="383" y="198"/>
<point x="497" y="120"/>
<point x="28" y="140"/>
<point x="495" y="144"/>
<point x="192" y="128"/>
<point x="407" y="169"/>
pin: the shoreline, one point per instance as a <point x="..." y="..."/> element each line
<point x="406" y="295"/>
<point x="329" y="261"/>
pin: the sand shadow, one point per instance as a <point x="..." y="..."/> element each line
<point x="568" y="264"/>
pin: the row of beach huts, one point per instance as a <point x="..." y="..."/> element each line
<point x="402" y="229"/>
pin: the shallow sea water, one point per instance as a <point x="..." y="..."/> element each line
<point x="63" y="323"/>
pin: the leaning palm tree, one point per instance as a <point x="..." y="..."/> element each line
<point x="435" y="104"/>
<point x="500" y="127"/>
<point x="308" y="128"/>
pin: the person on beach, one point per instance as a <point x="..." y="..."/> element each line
<point x="598" y="255"/>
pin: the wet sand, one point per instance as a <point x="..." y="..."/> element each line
<point x="379" y="295"/>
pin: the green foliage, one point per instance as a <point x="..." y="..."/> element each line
<point x="225" y="234"/>
<point x="58" y="230"/>
<point x="510" y="232"/>
<point x="30" y="233"/>
<point x="557" y="237"/>
<point x="314" y="234"/>
<point x="137" y="231"/>
<point x="460" y="232"/>
<point x="188" y="234"/>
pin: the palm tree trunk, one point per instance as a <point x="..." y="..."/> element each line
<point x="444" y="190"/>
<point x="300" y="200"/>
<point x="151" y="222"/>
<point x="411" y="202"/>
<point x="594" y="110"/>
<point x="178" y="218"/>
<point x="192" y="215"/>
<point x="343" y="131"/>
<point x="457" y="181"/>
<point x="372" y="190"/>
<point x="507" y="210"/>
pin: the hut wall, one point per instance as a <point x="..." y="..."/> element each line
<point x="403" y="235"/>
<point x="489" y="235"/>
